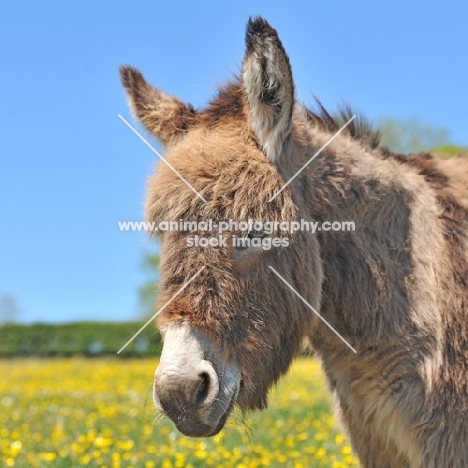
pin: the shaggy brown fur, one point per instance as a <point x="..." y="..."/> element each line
<point x="396" y="288"/>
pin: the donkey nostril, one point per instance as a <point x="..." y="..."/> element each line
<point x="203" y="388"/>
<point x="206" y="388"/>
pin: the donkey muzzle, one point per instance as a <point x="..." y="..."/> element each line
<point x="192" y="385"/>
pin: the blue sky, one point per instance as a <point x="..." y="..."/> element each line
<point x="70" y="169"/>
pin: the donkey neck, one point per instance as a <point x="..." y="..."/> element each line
<point x="365" y="270"/>
<point x="346" y="180"/>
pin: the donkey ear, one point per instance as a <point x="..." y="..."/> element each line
<point x="268" y="84"/>
<point x="165" y="116"/>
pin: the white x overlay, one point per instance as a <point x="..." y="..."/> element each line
<point x="272" y="198"/>
<point x="159" y="156"/>
<point x="161" y="309"/>
<point x="312" y="158"/>
<point x="311" y="308"/>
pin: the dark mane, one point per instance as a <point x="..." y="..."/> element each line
<point x="359" y="129"/>
<point x="424" y="163"/>
<point x="229" y="102"/>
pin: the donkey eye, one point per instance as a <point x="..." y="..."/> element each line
<point x="257" y="234"/>
<point x="245" y="243"/>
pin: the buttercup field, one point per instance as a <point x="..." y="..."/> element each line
<point x="77" y="412"/>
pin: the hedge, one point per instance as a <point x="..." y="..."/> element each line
<point x="78" y="338"/>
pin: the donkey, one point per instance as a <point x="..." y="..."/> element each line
<point x="395" y="289"/>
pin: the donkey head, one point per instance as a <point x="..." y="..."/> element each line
<point x="234" y="329"/>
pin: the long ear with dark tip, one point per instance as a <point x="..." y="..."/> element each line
<point x="268" y="84"/>
<point x="165" y="116"/>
